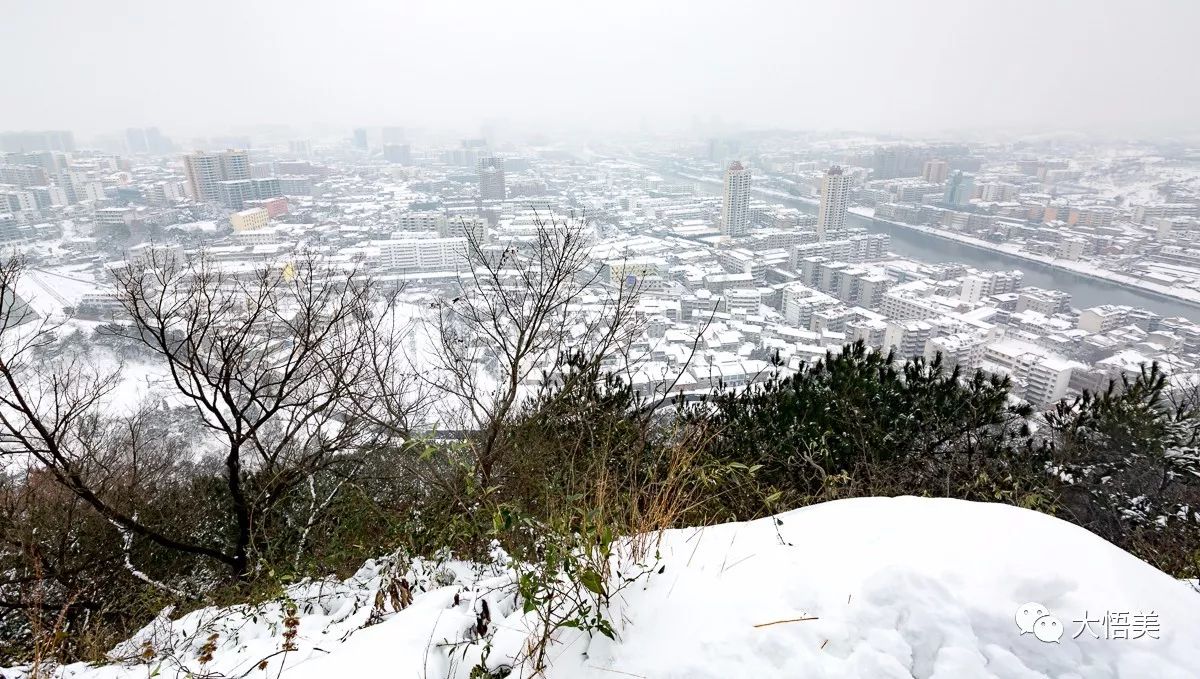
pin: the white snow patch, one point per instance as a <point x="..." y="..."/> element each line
<point x="903" y="587"/>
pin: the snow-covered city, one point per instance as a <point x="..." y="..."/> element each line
<point x="600" y="340"/>
<point x="1063" y="264"/>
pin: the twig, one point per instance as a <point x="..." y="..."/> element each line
<point x="694" y="548"/>
<point x="730" y="566"/>
<point x="628" y="674"/>
<point x="780" y="622"/>
<point x="727" y="551"/>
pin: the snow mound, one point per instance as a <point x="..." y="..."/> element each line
<point x="874" y="588"/>
<point x="895" y="587"/>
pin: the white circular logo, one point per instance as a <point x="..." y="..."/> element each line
<point x="1048" y="628"/>
<point x="1034" y="618"/>
<point x="1027" y="614"/>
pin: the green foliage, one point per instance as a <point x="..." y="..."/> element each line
<point x="1127" y="460"/>
<point x="570" y="575"/>
<point x="580" y="419"/>
<point x="860" y="413"/>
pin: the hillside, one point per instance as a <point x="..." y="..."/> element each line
<point x="870" y="588"/>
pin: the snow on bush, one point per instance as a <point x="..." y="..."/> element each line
<point x="872" y="588"/>
<point x="246" y="640"/>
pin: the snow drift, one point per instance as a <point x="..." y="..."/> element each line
<point x="872" y="588"/>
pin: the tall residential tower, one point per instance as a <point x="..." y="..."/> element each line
<point x="205" y="172"/>
<point x="960" y="189"/>
<point x="835" y="198"/>
<point x="491" y="178"/>
<point x="735" y="210"/>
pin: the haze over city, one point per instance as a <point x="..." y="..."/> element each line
<point x="585" y="340"/>
<point x="879" y="66"/>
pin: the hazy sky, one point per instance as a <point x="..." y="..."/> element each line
<point x="884" y="65"/>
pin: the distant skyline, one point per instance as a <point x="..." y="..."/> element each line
<point x="916" y="68"/>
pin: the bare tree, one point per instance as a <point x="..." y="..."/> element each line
<point x="48" y="411"/>
<point x="392" y="398"/>
<point x="524" y="306"/>
<point x="269" y="358"/>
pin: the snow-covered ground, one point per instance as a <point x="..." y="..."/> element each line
<point x="50" y="291"/>
<point x="871" y="588"/>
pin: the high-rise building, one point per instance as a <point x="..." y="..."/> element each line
<point x="935" y="171"/>
<point x="735" y="209"/>
<point x="300" y="148"/>
<point x="491" y="178"/>
<point x="720" y="150"/>
<point x="360" y="138"/>
<point x="146" y="140"/>
<point x="897" y="161"/>
<point x="960" y="189"/>
<point x="835" y="198"/>
<point x="46" y="140"/>
<point x="469" y="154"/>
<point x="205" y="171"/>
<point x="397" y="153"/>
<point x="234" y="193"/>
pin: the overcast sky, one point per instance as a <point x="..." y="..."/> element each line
<point x="881" y="65"/>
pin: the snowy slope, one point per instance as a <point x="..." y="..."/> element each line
<point x="903" y="587"/>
